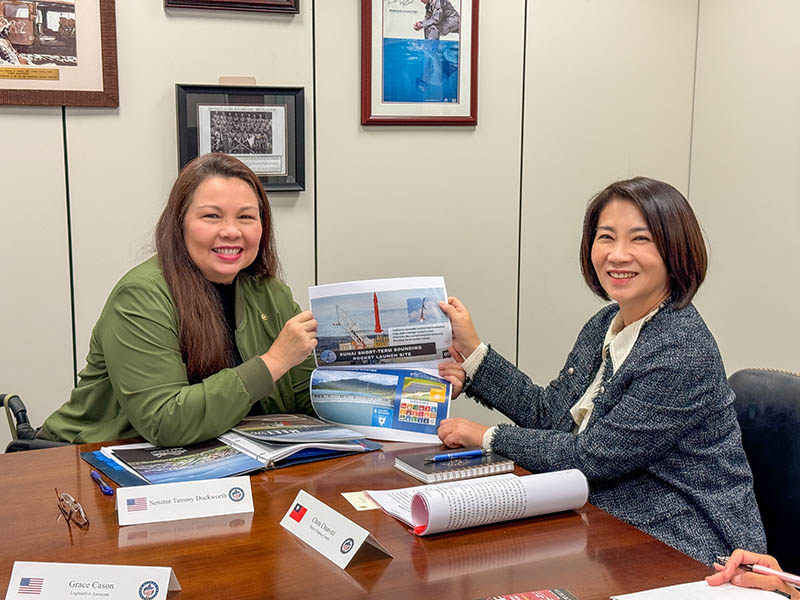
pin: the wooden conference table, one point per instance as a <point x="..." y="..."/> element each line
<point x="588" y="552"/>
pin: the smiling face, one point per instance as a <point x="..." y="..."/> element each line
<point x="627" y="261"/>
<point x="222" y="228"/>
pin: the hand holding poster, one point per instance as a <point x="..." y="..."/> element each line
<point x="382" y="322"/>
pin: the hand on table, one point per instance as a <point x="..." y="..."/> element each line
<point x="731" y="572"/>
<point x="461" y="432"/>
<point x="295" y="342"/>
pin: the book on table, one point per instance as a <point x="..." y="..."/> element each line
<point x="208" y="460"/>
<point x="274" y="456"/>
<point x="417" y="465"/>
<point x="228" y="455"/>
<point x="293" y="429"/>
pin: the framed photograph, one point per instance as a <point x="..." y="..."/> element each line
<point x="419" y="62"/>
<point x="276" y="6"/>
<point x="58" y="53"/>
<point x="264" y="127"/>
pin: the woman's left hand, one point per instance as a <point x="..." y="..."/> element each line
<point x="461" y="432"/>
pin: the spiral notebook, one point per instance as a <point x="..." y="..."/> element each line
<point x="450" y="470"/>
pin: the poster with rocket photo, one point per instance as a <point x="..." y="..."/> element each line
<point x="381" y="321"/>
<point x="379" y="344"/>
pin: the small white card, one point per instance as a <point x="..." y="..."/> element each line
<point x="66" y="580"/>
<point x="334" y="536"/>
<point x="360" y="500"/>
<point x="186" y="500"/>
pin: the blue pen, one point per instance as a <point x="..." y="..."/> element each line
<point x="104" y="487"/>
<point x="454" y="455"/>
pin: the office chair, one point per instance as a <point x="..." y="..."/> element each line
<point x="768" y="408"/>
<point x="22" y="432"/>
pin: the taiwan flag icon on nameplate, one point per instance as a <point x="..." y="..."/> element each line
<point x="298" y="512"/>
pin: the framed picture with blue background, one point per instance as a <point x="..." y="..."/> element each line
<point x="419" y="62"/>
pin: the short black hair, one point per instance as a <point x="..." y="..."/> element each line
<point x="675" y="230"/>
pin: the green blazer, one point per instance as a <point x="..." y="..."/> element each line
<point x="135" y="383"/>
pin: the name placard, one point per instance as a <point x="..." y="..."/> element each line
<point x="185" y="500"/>
<point x="71" y="580"/>
<point x="331" y="534"/>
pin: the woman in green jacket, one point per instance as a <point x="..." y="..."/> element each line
<point x="200" y="335"/>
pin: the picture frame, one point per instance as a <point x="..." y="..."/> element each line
<point x="39" y="61"/>
<point x="274" y="6"/>
<point x="416" y="70"/>
<point x="264" y="127"/>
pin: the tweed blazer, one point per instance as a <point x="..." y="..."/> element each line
<point x="662" y="450"/>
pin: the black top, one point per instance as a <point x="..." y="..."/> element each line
<point x="227" y="296"/>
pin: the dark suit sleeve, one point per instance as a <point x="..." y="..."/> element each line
<point x="667" y="400"/>
<point x="500" y="385"/>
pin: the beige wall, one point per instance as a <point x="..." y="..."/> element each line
<point x="591" y="92"/>
<point x="35" y="312"/>
<point x="745" y="178"/>
<point x="608" y="96"/>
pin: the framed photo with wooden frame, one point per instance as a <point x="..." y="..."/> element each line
<point x="264" y="127"/>
<point x="58" y="53"/>
<point x="276" y="6"/>
<point x="419" y="62"/>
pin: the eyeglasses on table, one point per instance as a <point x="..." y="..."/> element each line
<point x="71" y="510"/>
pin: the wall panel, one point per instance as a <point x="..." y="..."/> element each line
<point x="36" y="355"/>
<point x="746" y="181"/>
<point x="608" y="95"/>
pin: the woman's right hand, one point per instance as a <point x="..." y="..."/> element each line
<point x="465" y="338"/>
<point x="731" y="572"/>
<point x="295" y="342"/>
<point x="454" y="372"/>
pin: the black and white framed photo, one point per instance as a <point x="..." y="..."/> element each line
<point x="261" y="126"/>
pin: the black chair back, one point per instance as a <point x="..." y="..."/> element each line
<point x="22" y="432"/>
<point x="768" y="408"/>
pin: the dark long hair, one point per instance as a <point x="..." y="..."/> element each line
<point x="675" y="230"/>
<point x="204" y="340"/>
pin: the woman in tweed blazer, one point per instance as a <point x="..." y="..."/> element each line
<point x="642" y="406"/>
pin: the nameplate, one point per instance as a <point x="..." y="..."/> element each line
<point x="334" y="536"/>
<point x="70" y="580"/>
<point x="185" y="500"/>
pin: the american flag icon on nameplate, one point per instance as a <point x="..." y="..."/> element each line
<point x="31" y="585"/>
<point x="136" y="504"/>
